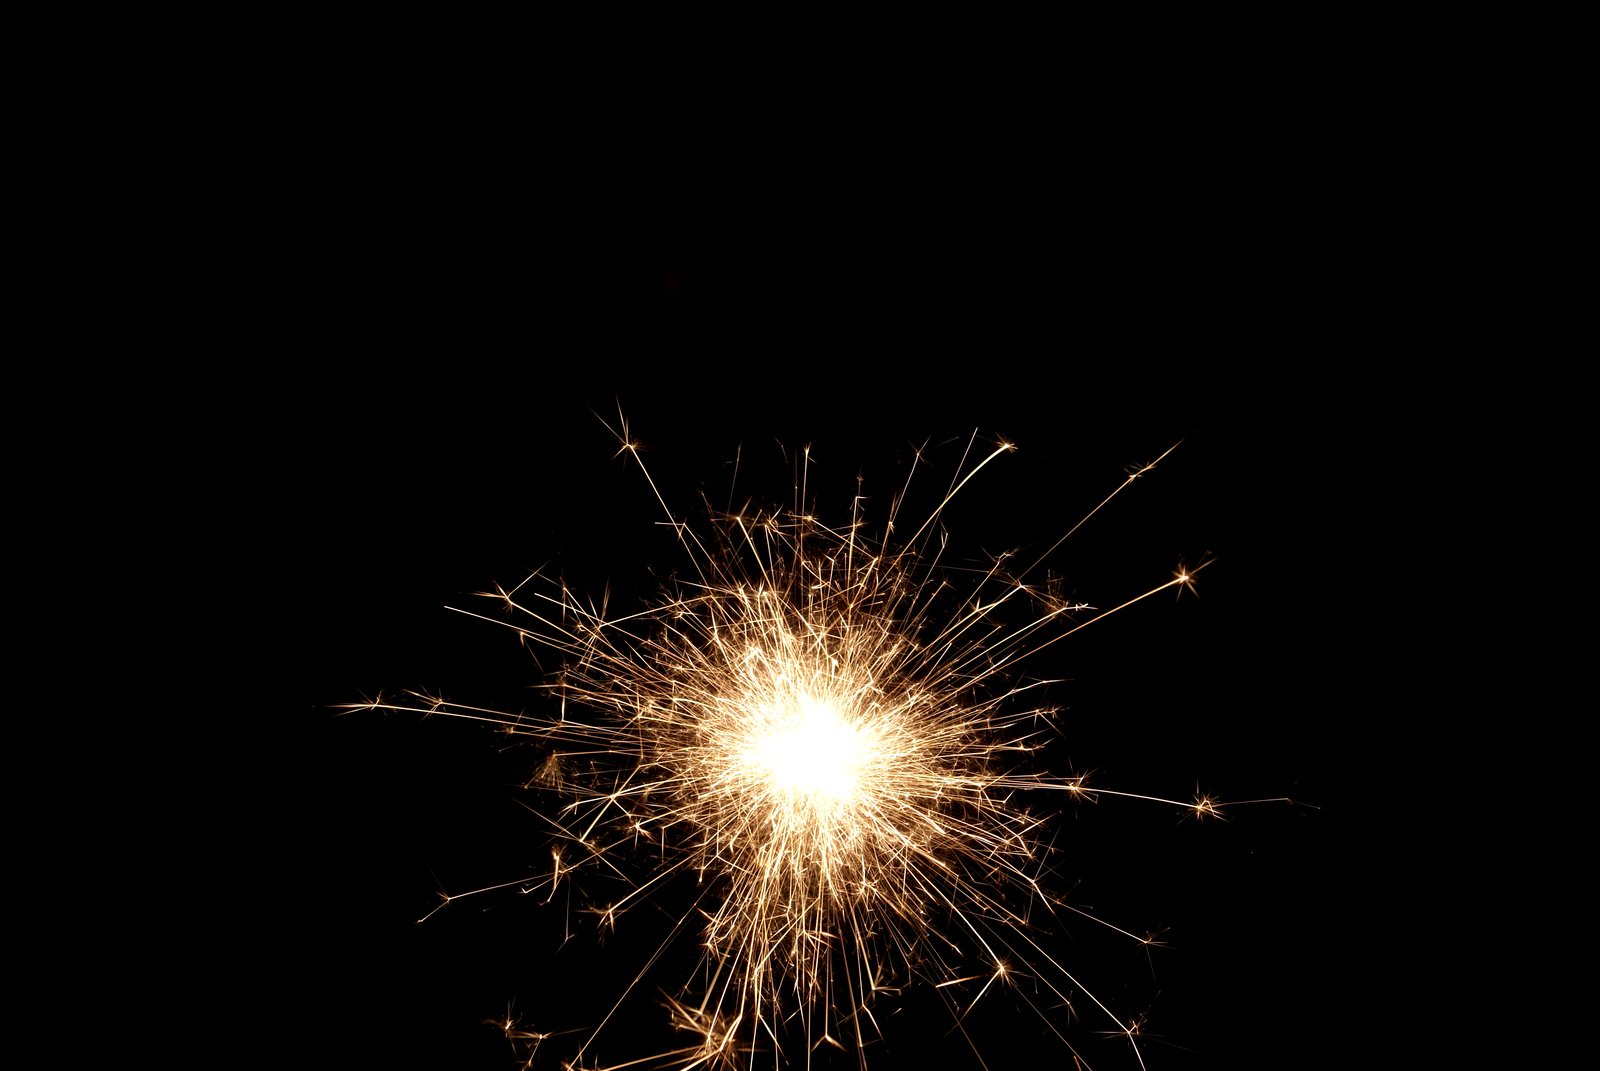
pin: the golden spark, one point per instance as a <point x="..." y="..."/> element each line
<point x="823" y="732"/>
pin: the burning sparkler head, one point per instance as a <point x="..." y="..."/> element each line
<point x="832" y="736"/>
<point x="808" y="753"/>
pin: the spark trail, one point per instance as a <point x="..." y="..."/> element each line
<point x="822" y="734"/>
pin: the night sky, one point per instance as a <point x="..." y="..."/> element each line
<point x="427" y="480"/>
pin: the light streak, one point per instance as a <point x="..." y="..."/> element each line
<point x="825" y="736"/>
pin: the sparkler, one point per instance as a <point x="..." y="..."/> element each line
<point x="824" y="734"/>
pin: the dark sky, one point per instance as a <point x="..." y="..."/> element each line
<point x="428" y="480"/>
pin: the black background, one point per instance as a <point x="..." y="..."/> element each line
<point x="465" y="448"/>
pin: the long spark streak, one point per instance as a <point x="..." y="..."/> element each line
<point x="822" y="731"/>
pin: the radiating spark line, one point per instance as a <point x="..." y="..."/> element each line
<point x="823" y="729"/>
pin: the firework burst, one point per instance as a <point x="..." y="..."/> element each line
<point x="826" y="735"/>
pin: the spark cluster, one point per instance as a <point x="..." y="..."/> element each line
<point x="828" y="737"/>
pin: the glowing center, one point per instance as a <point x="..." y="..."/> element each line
<point x="807" y="747"/>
